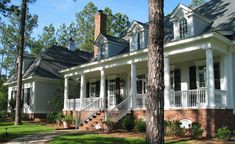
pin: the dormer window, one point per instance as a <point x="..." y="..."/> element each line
<point x="139" y="41"/>
<point x="103" y="52"/>
<point x="183" y="28"/>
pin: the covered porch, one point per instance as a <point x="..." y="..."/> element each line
<point x="196" y="75"/>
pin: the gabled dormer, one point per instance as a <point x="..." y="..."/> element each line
<point x="109" y="46"/>
<point x="187" y="22"/>
<point x="138" y="34"/>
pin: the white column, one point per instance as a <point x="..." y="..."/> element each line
<point x="210" y="78"/>
<point x="82" y="89"/>
<point x="66" y="92"/>
<point x="133" y="85"/>
<point x="102" y="87"/>
<point x="167" y="90"/>
<point x="230" y="100"/>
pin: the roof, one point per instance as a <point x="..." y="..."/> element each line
<point x="221" y="12"/>
<point x="52" y="60"/>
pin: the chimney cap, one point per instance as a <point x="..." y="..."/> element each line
<point x="100" y="11"/>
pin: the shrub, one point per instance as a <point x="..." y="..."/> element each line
<point x="3" y="115"/>
<point x="173" y="128"/>
<point x="24" y="116"/>
<point x="196" y="130"/>
<point x="109" y="123"/>
<point x="223" y="134"/>
<point x="51" y="117"/>
<point x="140" y="125"/>
<point x="68" y="118"/>
<point x="128" y="123"/>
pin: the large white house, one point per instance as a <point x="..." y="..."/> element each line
<point x="199" y="69"/>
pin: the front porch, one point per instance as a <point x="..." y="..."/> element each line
<point x="195" y="81"/>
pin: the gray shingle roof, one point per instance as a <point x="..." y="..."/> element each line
<point x="50" y="62"/>
<point x="221" y="12"/>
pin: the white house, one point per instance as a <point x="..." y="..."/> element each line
<point x="42" y="82"/>
<point x="199" y="69"/>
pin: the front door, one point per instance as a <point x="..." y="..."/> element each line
<point x="141" y="90"/>
<point x="111" y="93"/>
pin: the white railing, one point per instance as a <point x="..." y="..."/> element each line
<point x="140" y="101"/>
<point x="73" y="104"/>
<point x="119" y="111"/>
<point x="189" y="98"/>
<point x="87" y="101"/>
<point x="89" y="110"/>
<point x="220" y="98"/>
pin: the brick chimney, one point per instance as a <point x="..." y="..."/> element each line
<point x="100" y="27"/>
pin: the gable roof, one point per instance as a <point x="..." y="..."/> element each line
<point x="52" y="60"/>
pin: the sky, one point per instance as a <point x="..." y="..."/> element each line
<point x="57" y="12"/>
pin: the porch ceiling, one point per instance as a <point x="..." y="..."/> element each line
<point x="191" y="56"/>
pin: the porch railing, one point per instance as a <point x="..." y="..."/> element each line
<point x="73" y="104"/>
<point x="119" y="111"/>
<point x="140" y="101"/>
<point x="90" y="110"/>
<point x="189" y="98"/>
<point x="220" y="98"/>
<point x="87" y="101"/>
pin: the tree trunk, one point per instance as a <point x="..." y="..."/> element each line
<point x="155" y="97"/>
<point x="20" y="62"/>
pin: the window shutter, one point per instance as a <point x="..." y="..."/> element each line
<point x="87" y="89"/>
<point x="192" y="78"/>
<point x="97" y="93"/>
<point x="106" y="93"/>
<point x="117" y="86"/>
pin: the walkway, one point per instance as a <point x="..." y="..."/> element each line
<point x="41" y="138"/>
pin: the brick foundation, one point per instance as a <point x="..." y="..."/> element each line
<point x="210" y="119"/>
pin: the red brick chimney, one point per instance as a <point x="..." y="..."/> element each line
<point x="100" y="27"/>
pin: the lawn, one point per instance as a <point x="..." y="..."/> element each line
<point x="100" y="139"/>
<point x="19" y="131"/>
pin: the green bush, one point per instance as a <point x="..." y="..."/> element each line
<point x="68" y="118"/>
<point x="223" y="134"/>
<point x="173" y="128"/>
<point x="51" y="117"/>
<point x="196" y="130"/>
<point x="3" y="115"/>
<point x="128" y="123"/>
<point x="140" y="125"/>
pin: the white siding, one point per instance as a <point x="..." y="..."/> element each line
<point x="45" y="94"/>
<point x="199" y="25"/>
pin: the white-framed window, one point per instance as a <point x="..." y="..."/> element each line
<point x="183" y="27"/>
<point x="141" y="84"/>
<point x="92" y="89"/>
<point x="103" y="51"/>
<point x="202" y="76"/>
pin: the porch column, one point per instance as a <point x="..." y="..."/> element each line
<point x="133" y="84"/>
<point x="66" y="92"/>
<point x="102" y="87"/>
<point x="227" y="79"/>
<point x="82" y="89"/>
<point x="210" y="78"/>
<point x="167" y="90"/>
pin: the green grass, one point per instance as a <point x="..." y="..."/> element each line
<point x="19" y="131"/>
<point x="100" y="139"/>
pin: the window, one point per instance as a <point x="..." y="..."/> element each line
<point x="103" y="53"/>
<point x="201" y="76"/>
<point x="141" y="84"/>
<point x="139" y="41"/>
<point x="217" y="75"/>
<point x="183" y="28"/>
<point x="28" y="96"/>
<point x="93" y="89"/>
